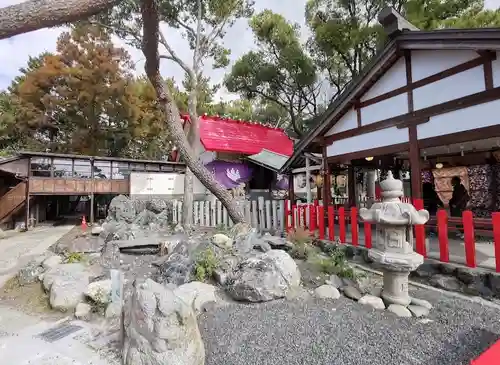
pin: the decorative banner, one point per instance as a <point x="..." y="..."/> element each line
<point x="281" y="182"/>
<point x="230" y="174"/>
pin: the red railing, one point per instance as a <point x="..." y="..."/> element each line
<point x="323" y="224"/>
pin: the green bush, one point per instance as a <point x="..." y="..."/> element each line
<point x="336" y="263"/>
<point x="74" y="257"/>
<point x="205" y="265"/>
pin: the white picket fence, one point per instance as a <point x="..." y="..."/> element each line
<point x="264" y="215"/>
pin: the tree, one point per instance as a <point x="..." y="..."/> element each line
<point x="279" y="72"/>
<point x="203" y="24"/>
<point x="346" y="34"/>
<point x="78" y="100"/>
<point x="58" y="14"/>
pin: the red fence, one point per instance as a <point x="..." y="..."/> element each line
<point x="323" y="225"/>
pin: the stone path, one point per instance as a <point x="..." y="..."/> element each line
<point x="20" y="343"/>
<point x="18" y="248"/>
<point x="315" y="332"/>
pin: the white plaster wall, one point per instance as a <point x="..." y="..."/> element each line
<point x="158" y="183"/>
<point x="427" y="63"/>
<point x="473" y="117"/>
<point x="388" y="108"/>
<point x="394" y="77"/>
<point x="450" y="88"/>
<point x="496" y="71"/>
<point x="381" y="138"/>
<point x="348" y="121"/>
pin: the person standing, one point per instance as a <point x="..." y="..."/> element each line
<point x="459" y="199"/>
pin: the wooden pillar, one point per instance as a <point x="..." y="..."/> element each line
<point x="351" y="186"/>
<point x="27" y="197"/>
<point x="291" y="191"/>
<point x="414" y="153"/>
<point x="92" y="188"/>
<point x="326" y="194"/>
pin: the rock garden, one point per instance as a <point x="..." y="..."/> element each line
<point x="170" y="277"/>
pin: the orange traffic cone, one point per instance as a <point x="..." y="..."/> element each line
<point x="84" y="223"/>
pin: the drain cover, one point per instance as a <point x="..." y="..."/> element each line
<point x="58" y="332"/>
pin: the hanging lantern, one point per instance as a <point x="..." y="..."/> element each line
<point x="319" y="180"/>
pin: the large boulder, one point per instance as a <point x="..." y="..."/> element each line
<point x="264" y="277"/>
<point x="67" y="284"/>
<point x="197" y="294"/>
<point x="156" y="205"/>
<point x="160" y="328"/>
<point x="122" y="208"/>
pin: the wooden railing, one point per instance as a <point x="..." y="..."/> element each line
<point x="11" y="200"/>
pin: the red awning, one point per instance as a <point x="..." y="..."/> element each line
<point x="226" y="135"/>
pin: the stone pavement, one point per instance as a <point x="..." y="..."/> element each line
<point x="21" y="344"/>
<point x="19" y="248"/>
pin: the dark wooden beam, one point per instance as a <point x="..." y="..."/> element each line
<point x="488" y="74"/>
<point x="379" y="151"/>
<point x="418" y="115"/>
<point x="358" y="115"/>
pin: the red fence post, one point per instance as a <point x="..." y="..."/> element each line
<point x="420" y="230"/>
<point x="496" y="235"/>
<point x="342" y="224"/>
<point x="321" y="218"/>
<point x="287" y="214"/>
<point x="331" y="222"/>
<point x="368" y="235"/>
<point x="354" y="226"/>
<point x="442" y="226"/>
<point x="292" y="220"/>
<point x="316" y="205"/>
<point x="470" y="246"/>
<point x="312" y="218"/>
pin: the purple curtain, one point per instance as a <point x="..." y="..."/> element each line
<point x="230" y="174"/>
<point x="281" y="182"/>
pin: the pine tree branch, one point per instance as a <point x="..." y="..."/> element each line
<point x="37" y="14"/>
<point x="173" y="56"/>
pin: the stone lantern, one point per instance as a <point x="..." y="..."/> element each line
<point x="393" y="246"/>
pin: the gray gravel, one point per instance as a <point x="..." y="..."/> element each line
<point x="343" y="332"/>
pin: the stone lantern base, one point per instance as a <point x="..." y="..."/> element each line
<point x="395" y="290"/>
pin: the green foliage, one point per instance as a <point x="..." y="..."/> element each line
<point x="279" y="71"/>
<point x="301" y="240"/>
<point x="73" y="257"/>
<point x="335" y="263"/>
<point x="205" y="265"/>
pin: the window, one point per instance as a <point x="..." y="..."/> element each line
<point x="152" y="167"/>
<point x="137" y="167"/>
<point x="166" y="168"/>
<point x="102" y="169"/>
<point x="82" y="169"/>
<point x="41" y="167"/>
<point x="120" y="170"/>
<point x="62" y="167"/>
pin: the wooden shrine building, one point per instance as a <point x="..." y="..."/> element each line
<point x="429" y="101"/>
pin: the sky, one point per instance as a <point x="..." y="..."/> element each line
<point x="14" y="52"/>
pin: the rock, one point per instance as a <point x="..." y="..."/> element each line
<point x="51" y="262"/>
<point x="67" y="287"/>
<point x="113" y="310"/>
<point x="99" y="291"/>
<point x="399" y="310"/>
<point x="240" y="230"/>
<point x="156" y="205"/>
<point x="82" y="311"/>
<point x="352" y="292"/>
<point x="68" y="271"/>
<point x="261" y="245"/>
<point x="376" y="292"/>
<point x="335" y="281"/>
<point x="264" y="277"/>
<point x="144" y="218"/>
<point x="445" y="282"/>
<point x="30" y="273"/>
<point x="160" y="328"/>
<point x="327" y="292"/>
<point x="83" y="244"/>
<point x="225" y="268"/>
<point x="418" y="311"/>
<point x="179" y="228"/>
<point x="121" y="208"/>
<point x="197" y="294"/>
<point x="372" y="301"/>
<point x="277" y="243"/>
<point x="447" y="268"/>
<point x="469" y="276"/>
<point x="421" y="303"/>
<point x="426" y="270"/>
<point x="96" y="230"/>
<point x="493" y="281"/>
<point x="222" y="241"/>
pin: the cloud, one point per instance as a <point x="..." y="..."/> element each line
<point x="14" y="52"/>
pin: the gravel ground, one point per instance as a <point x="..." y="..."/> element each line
<point x="343" y="332"/>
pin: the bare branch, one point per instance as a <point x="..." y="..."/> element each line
<point x="128" y="31"/>
<point x="196" y="52"/>
<point x="173" y="55"/>
<point x="37" y="14"/>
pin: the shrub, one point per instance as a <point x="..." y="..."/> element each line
<point x="336" y="263"/>
<point x="301" y="240"/>
<point x="74" y="257"/>
<point x="205" y="265"/>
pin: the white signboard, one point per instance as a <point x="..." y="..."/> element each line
<point x="160" y="183"/>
